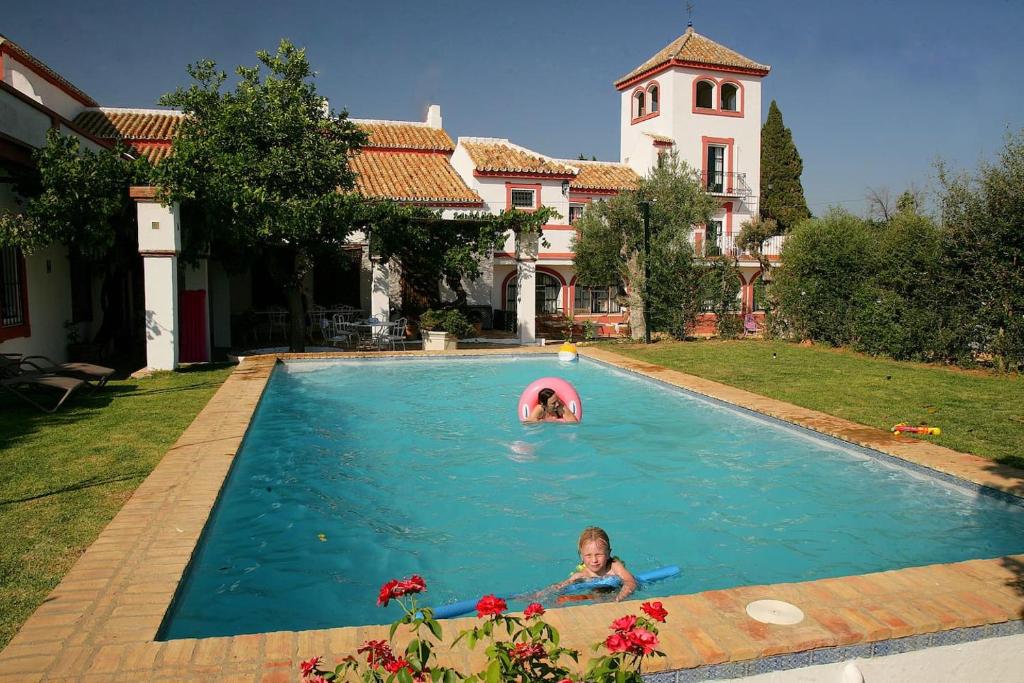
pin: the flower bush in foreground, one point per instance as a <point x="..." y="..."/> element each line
<point x="518" y="648"/>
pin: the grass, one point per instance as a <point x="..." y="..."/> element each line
<point x="979" y="412"/>
<point x="63" y="477"/>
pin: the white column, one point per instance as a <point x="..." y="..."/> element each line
<point x="159" y="245"/>
<point x="380" y="297"/>
<point x="526" y="300"/>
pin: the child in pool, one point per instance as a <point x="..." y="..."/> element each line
<point x="550" y="407"/>
<point x="598" y="562"/>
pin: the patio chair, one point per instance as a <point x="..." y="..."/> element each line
<point x="14" y="380"/>
<point x="93" y="375"/>
<point x="392" y="334"/>
<point x="750" y="326"/>
<point x="342" y="332"/>
<point x="278" y="318"/>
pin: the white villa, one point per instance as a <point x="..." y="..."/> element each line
<point x="695" y="97"/>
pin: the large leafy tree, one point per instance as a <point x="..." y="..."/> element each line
<point x="79" y="197"/>
<point x="981" y="274"/>
<point x="609" y="246"/>
<point x="267" y="166"/>
<point x="782" y="194"/>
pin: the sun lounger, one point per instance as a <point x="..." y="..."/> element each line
<point x="94" y="375"/>
<point x="14" y="382"/>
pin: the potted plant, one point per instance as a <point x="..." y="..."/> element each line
<point x="442" y="329"/>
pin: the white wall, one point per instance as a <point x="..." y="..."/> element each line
<point x="24" y="79"/>
<point x="21" y="121"/>
<point x="678" y="121"/>
<point x="49" y="305"/>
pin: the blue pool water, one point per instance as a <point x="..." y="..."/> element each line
<point x="354" y="472"/>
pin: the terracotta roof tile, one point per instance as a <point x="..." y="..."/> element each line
<point x="661" y="138"/>
<point x="695" y="48"/>
<point x="23" y="55"/>
<point x="410" y="177"/>
<point x="497" y="155"/>
<point x="130" y="124"/>
<point x="154" y="151"/>
<point x="405" y="135"/>
<point x="604" y="175"/>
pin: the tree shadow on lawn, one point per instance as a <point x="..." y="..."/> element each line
<point x="77" y="486"/>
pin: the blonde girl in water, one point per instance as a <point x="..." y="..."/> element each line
<point x="598" y="562"/>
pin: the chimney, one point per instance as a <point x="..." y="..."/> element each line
<point x="434" y="116"/>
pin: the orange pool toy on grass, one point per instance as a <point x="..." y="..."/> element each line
<point x="904" y="428"/>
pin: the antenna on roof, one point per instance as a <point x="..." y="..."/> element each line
<point x="689" y="15"/>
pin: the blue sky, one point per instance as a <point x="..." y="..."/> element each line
<point x="874" y="92"/>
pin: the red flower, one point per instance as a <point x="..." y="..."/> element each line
<point x="523" y="651"/>
<point x="616" y="642"/>
<point x="490" y="605"/>
<point x="642" y="641"/>
<point x="397" y="665"/>
<point x="309" y="666"/>
<point x="654" y="610"/>
<point x="534" y="609"/>
<point x="395" y="588"/>
<point x="378" y="653"/>
<point x="623" y="624"/>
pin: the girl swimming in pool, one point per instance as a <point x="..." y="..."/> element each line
<point x="597" y="562"/>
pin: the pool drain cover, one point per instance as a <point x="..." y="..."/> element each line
<point x="775" y="612"/>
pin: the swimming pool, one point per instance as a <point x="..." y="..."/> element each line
<point x="354" y="472"/>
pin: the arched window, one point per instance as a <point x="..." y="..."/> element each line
<point x="654" y="99"/>
<point x="638" y="104"/>
<point x="705" y="95"/>
<point x="548" y="292"/>
<point x="730" y="97"/>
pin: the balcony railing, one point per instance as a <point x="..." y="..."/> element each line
<point x="726" y="184"/>
<point x="726" y="246"/>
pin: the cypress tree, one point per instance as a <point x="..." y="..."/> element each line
<point x="782" y="194"/>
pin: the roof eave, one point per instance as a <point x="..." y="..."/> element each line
<point x="628" y="81"/>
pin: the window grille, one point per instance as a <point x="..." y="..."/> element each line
<point x="523" y="199"/>
<point x="11" y="284"/>
<point x="575" y="211"/>
<point x="596" y="300"/>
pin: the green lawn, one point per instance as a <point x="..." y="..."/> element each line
<point x="63" y="477"/>
<point x="979" y="412"/>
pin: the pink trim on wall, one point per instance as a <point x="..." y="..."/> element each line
<point x="634" y="119"/>
<point x="728" y="218"/>
<point x="717" y="109"/>
<point x="522" y="186"/>
<point x="705" y="142"/>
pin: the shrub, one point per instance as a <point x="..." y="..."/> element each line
<point x="824" y="261"/>
<point x="448" y="320"/>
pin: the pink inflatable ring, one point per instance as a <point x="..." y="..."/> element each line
<point x="563" y="390"/>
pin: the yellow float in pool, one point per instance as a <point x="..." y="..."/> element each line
<point x="567" y="352"/>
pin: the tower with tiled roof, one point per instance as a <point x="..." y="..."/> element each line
<point x="702" y="100"/>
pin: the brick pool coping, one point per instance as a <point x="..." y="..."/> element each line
<point x="99" y="624"/>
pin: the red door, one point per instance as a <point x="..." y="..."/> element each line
<point x="193" y="326"/>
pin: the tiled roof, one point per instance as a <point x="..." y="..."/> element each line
<point x="604" y="175"/>
<point x="23" y="55"/>
<point x="405" y="135"/>
<point x="661" y="138"/>
<point x="410" y="177"/>
<point x="129" y="124"/>
<point x="497" y="155"/>
<point x="694" y="48"/>
<point x="154" y="151"/>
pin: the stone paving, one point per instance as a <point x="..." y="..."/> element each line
<point x="100" y="623"/>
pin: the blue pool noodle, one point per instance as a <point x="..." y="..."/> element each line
<point x="457" y="609"/>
